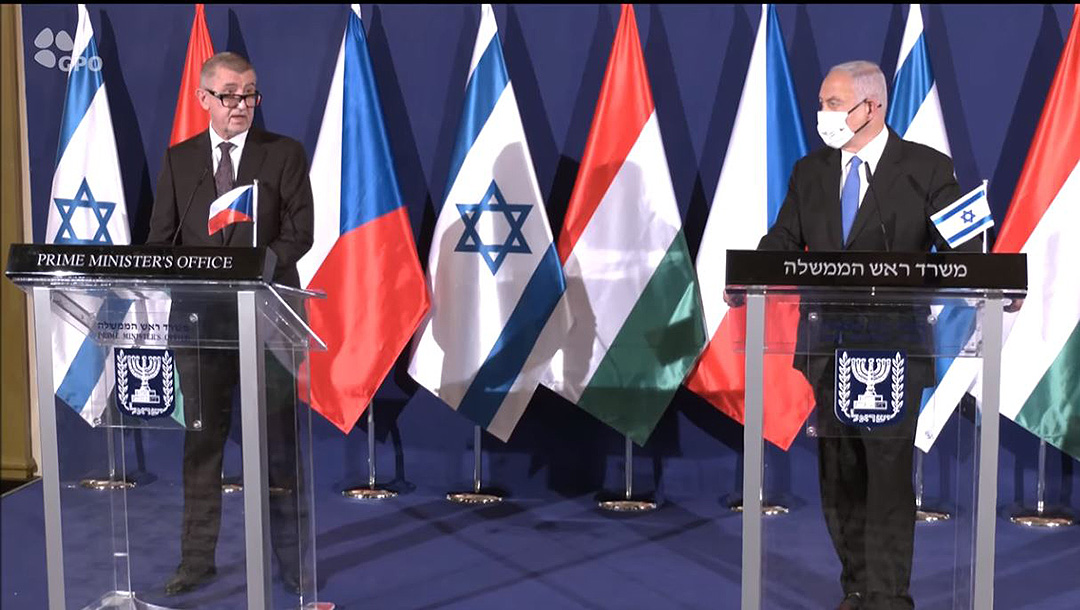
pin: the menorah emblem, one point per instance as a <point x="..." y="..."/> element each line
<point x="870" y="371"/>
<point x="155" y="367"/>
<point x="870" y="408"/>
<point x="145" y="368"/>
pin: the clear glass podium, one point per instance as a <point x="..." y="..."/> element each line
<point x="142" y="353"/>
<point x="886" y="345"/>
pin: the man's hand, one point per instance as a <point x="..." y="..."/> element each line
<point x="1014" y="305"/>
<point x="734" y="300"/>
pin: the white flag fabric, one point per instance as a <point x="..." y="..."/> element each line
<point x="86" y="206"/>
<point x="493" y="270"/>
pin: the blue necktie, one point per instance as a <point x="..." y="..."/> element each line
<point x="849" y="197"/>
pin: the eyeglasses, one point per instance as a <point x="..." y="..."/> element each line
<point x="232" y="100"/>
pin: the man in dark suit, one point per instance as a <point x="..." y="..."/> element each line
<point x="232" y="153"/>
<point x="868" y="190"/>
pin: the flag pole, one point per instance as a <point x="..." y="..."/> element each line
<point x="628" y="504"/>
<point x="254" y="213"/>
<point x="371" y="492"/>
<point x="476" y="496"/>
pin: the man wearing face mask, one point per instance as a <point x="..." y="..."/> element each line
<point x="868" y="190"/>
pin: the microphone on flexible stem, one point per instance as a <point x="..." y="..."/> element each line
<point x="877" y="206"/>
<point x="187" y="207"/>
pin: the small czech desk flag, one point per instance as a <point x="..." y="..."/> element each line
<point x="237" y="205"/>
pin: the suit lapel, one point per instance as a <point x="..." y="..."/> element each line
<point x="872" y="210"/>
<point x="830" y="184"/>
<point x="251" y="161"/>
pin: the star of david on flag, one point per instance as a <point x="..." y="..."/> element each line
<point x="494" y="203"/>
<point x="102" y="212"/>
<point x="480" y="348"/>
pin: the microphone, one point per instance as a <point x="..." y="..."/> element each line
<point x="187" y="207"/>
<point x="877" y="207"/>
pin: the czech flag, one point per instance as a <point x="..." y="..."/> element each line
<point x="364" y="256"/>
<point x="238" y="205"/>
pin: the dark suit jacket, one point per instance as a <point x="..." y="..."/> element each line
<point x="911" y="182"/>
<point x="285" y="213"/>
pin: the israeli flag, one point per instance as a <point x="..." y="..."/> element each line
<point x="86" y="206"/>
<point x="967" y="217"/>
<point x="914" y="107"/>
<point x="493" y="270"/>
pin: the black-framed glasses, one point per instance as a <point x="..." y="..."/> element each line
<point x="232" y="100"/>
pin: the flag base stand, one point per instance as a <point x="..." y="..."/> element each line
<point x="626" y="505"/>
<point x="232" y="485"/>
<point x="769" y="510"/>
<point x="106" y="484"/>
<point x="473" y="497"/>
<point x="368" y="493"/>
<point x="1042" y="519"/>
<point x="924" y="515"/>
<point x="371" y="491"/>
<point x="477" y="496"/>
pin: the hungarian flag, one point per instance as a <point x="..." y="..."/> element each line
<point x="364" y="257"/>
<point x="636" y="325"/>
<point x="1040" y="363"/>
<point x="766" y="141"/>
<point x="190" y="118"/>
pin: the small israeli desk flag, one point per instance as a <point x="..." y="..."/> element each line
<point x="966" y="218"/>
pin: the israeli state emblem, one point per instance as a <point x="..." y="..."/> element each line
<point x="144" y="382"/>
<point x="870" y="387"/>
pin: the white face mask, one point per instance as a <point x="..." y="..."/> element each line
<point x="833" y="128"/>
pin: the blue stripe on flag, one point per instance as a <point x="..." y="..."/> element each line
<point x="486" y="85"/>
<point x="497" y="374"/>
<point x="83" y="84"/>
<point x="85" y="369"/>
<point x="784" y="134"/>
<point x="960" y="207"/>
<point x="912" y="85"/>
<point x="369" y="185"/>
<point x="955" y="239"/>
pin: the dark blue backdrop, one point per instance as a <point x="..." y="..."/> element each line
<point x="993" y="65"/>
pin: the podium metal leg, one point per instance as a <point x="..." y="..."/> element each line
<point x="475" y="496"/>
<point x="371" y="492"/>
<point x="628" y="504"/>
<point x="986" y="488"/>
<point x="253" y="420"/>
<point x="50" y="456"/>
<point x="753" y="449"/>
<point x="923" y="514"/>
<point x="1040" y="517"/>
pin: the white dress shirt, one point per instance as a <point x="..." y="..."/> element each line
<point x="238" y="148"/>
<point x="870" y="155"/>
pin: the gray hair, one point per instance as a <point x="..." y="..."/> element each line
<point x="868" y="79"/>
<point x="225" y="59"/>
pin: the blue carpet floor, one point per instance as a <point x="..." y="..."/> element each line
<point x="419" y="551"/>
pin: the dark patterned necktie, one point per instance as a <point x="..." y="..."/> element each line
<point x="223" y="177"/>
